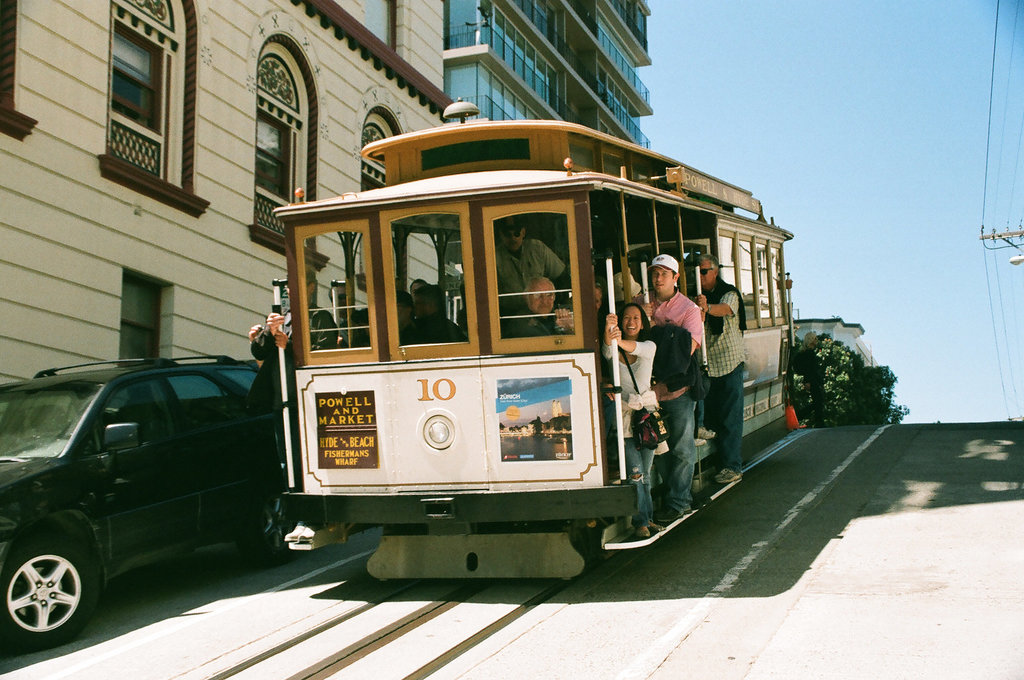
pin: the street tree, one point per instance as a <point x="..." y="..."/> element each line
<point x="851" y="392"/>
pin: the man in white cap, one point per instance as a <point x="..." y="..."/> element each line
<point x="670" y="307"/>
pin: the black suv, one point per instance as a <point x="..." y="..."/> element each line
<point x="104" y="467"/>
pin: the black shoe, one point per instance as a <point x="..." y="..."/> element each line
<point x="666" y="516"/>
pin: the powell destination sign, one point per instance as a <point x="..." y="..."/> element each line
<point x="696" y="182"/>
<point x="346" y="429"/>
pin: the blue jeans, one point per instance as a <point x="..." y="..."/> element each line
<point x="638" y="472"/>
<point x="724" y="405"/>
<point x="676" y="465"/>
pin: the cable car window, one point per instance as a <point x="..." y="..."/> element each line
<point x="582" y="155"/>
<point x="727" y="269"/>
<point x="429" y="269"/>
<point x="611" y="163"/>
<point x="336" y="295"/>
<point x="534" y="276"/>
<point x="775" y="280"/>
<point x="763" y="301"/>
<point x="746" y="276"/>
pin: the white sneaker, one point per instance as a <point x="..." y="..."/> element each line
<point x="699" y="441"/>
<point x="705" y="433"/>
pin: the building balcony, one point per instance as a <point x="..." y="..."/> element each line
<point x="485" y="35"/>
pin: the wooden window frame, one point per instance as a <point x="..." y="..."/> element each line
<point x="533" y="345"/>
<point x="776" y="264"/>
<point x="151" y="118"/>
<point x="154" y="329"/>
<point x="471" y="347"/>
<point x="177" y="192"/>
<point x="286" y="161"/>
<point x="303" y="139"/>
<point x="312" y="258"/>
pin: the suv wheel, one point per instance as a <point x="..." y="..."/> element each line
<point x="262" y="537"/>
<point x="50" y="588"/>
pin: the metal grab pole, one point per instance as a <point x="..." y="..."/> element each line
<point x="643" y="282"/>
<point x="335" y="283"/>
<point x="616" y="381"/>
<point x="704" y="340"/>
<point x="279" y="285"/>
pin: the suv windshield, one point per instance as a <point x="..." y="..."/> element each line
<point x="37" y="423"/>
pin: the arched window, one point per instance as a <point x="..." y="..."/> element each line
<point x="379" y="123"/>
<point x="151" y="121"/>
<point x="278" y="122"/>
<point x="285" y="144"/>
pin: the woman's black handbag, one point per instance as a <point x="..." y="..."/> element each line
<point x="649" y="429"/>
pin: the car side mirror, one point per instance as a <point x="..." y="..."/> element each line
<point x="121" y="436"/>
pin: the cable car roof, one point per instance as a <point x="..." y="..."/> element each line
<point x="456" y="148"/>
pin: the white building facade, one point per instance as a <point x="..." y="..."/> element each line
<point x="144" y="144"/>
<point x="850" y="334"/>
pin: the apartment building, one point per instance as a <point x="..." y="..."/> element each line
<point x="145" y="143"/>
<point x="573" y="60"/>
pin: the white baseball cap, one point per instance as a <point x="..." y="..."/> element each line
<point x="666" y="261"/>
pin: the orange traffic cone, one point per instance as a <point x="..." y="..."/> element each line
<point x="791" y="420"/>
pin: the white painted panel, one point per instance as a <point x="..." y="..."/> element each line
<point x="474" y="396"/>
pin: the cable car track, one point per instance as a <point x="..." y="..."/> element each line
<point x="394" y="631"/>
<point x="307" y="634"/>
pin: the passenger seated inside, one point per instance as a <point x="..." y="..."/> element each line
<point x="323" y="329"/>
<point x="542" y="318"/>
<point x="360" y="327"/>
<point x="520" y="259"/>
<point x="406" y="325"/>
<point x="431" y="324"/>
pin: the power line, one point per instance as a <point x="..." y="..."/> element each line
<point x="1007" y="239"/>
<point x="988" y="132"/>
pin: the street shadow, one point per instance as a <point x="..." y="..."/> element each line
<point x="767" y="531"/>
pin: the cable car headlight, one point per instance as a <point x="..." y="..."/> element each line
<point x="439" y="432"/>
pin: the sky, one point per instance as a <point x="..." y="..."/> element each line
<point x="864" y="129"/>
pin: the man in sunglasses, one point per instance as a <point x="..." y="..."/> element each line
<point x="519" y="260"/>
<point x="725" y="321"/>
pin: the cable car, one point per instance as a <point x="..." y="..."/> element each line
<point x="442" y="399"/>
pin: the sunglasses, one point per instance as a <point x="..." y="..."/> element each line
<point x="705" y="271"/>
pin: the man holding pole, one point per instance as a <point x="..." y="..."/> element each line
<point x="273" y="389"/>
<point x="724" y="404"/>
<point x="671" y="307"/>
